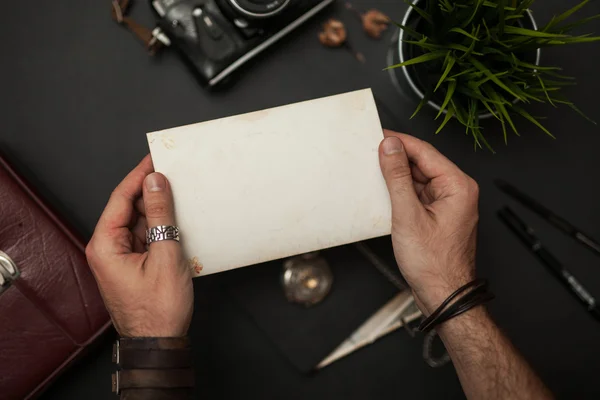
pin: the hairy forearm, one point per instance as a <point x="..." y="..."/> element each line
<point x="488" y="365"/>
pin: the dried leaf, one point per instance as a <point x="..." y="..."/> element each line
<point x="375" y="23"/>
<point x="333" y="34"/>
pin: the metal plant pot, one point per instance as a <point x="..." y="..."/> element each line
<point x="406" y="79"/>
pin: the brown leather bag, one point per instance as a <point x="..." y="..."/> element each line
<point x="52" y="311"/>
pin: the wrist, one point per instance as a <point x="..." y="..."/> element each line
<point x="456" y="332"/>
<point x="165" y="331"/>
<point x="464" y="299"/>
<point x="432" y="294"/>
<point x="153" y="334"/>
<point x="475" y="316"/>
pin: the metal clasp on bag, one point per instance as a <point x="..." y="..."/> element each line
<point x="8" y="272"/>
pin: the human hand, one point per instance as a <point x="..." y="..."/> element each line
<point x="434" y="218"/>
<point x="147" y="293"/>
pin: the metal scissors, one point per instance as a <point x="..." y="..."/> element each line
<point x="396" y="313"/>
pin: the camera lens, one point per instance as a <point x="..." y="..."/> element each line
<point x="259" y="8"/>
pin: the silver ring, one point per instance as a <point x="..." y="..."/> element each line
<point x="162" y="232"/>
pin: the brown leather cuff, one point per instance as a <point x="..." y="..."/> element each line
<point x="149" y="353"/>
<point x="153" y="368"/>
<point x="156" y="394"/>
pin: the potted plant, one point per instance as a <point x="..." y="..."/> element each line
<point x="477" y="59"/>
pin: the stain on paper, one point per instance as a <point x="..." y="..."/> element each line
<point x="377" y="221"/>
<point x="195" y="265"/>
<point x="168" y="142"/>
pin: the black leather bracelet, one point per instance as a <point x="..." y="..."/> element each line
<point x="478" y="295"/>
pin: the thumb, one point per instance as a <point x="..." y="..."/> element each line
<point x="398" y="177"/>
<point x="158" y="204"/>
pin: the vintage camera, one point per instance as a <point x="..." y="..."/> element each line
<point x="217" y="37"/>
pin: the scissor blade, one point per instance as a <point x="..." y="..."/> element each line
<point x="385" y="320"/>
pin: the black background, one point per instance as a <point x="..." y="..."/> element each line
<point x="78" y="95"/>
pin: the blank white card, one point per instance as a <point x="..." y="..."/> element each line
<point x="275" y="183"/>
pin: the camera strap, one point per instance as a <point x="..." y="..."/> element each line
<point x="119" y="13"/>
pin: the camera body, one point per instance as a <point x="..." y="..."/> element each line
<point x="217" y="37"/>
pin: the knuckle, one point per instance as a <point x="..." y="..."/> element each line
<point x="430" y="154"/>
<point x="158" y="209"/>
<point x="468" y="187"/>
<point x="91" y="254"/>
<point x="398" y="169"/>
<point x="400" y="172"/>
<point x="473" y="188"/>
<point x="428" y="147"/>
<point x="463" y="184"/>
<point x="120" y="192"/>
<point x="89" y="251"/>
<point x="457" y="185"/>
<point x="115" y="194"/>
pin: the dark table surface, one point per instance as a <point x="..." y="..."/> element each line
<point x="78" y="95"/>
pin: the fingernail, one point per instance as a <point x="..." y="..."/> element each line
<point x="392" y="145"/>
<point x="155" y="182"/>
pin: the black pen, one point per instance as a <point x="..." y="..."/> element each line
<point x="559" y="222"/>
<point x="528" y="237"/>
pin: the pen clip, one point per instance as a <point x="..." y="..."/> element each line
<point x="520" y="228"/>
